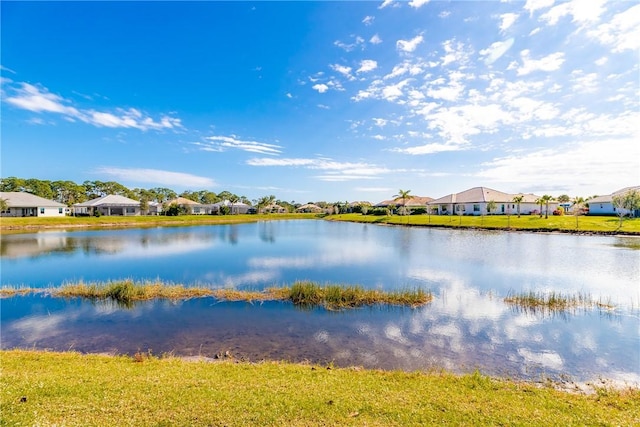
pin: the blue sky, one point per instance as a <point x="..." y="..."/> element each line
<point x="330" y="101"/>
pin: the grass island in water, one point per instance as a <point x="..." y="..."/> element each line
<point x="301" y="293"/>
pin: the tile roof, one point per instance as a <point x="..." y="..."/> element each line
<point x="20" y="199"/>
<point x="111" y="199"/>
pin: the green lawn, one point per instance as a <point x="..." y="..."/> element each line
<point x="586" y="224"/>
<point x="7" y="223"/>
<point x="42" y="388"/>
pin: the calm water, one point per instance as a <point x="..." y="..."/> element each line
<point x="467" y="326"/>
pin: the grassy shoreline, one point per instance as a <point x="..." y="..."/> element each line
<point x="47" y="388"/>
<point x="301" y="293"/>
<point x="605" y="225"/>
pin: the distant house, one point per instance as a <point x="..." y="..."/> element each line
<point x="154" y="208"/>
<point x="190" y="207"/>
<point x="603" y="205"/>
<point x="475" y="201"/>
<point x="309" y="208"/>
<point x="26" y="204"/>
<point x="411" y="203"/>
<point x="110" y="205"/>
<point x="273" y="208"/>
<point x="237" y="208"/>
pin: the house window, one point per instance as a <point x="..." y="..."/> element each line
<point x="41" y="210"/>
<point x="476" y="208"/>
<point x="59" y="210"/>
<point x="131" y="210"/>
<point x="444" y="208"/>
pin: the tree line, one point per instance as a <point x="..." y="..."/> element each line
<point x="70" y="193"/>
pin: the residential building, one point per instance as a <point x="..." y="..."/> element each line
<point x="477" y="200"/>
<point x="21" y="204"/>
<point x="110" y="205"/>
<point x="603" y="205"/>
<point x="189" y="206"/>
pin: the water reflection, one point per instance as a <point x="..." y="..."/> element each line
<point x="467" y="326"/>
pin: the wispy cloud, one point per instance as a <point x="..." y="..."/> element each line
<point x="418" y="3"/>
<point x="496" y="50"/>
<point x="156" y="177"/>
<point x="368" y="20"/>
<point x="333" y="170"/>
<point x="223" y="143"/>
<point x="550" y="62"/>
<point x="320" y="87"/>
<point x="38" y="99"/>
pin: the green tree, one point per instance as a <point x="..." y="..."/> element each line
<point x="546" y="199"/>
<point x="12" y="184"/>
<point x="563" y="198"/>
<point x="517" y="200"/>
<point x="578" y="204"/>
<point x="4" y="206"/>
<point x="491" y="205"/>
<point x="404" y="196"/>
<point x="626" y="204"/>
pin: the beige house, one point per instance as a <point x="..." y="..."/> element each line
<point x="191" y="207"/>
<point x="475" y="201"/>
<point x="26" y="204"/>
<point x="110" y="205"/>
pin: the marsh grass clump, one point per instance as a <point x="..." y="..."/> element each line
<point x="554" y="301"/>
<point x="11" y="291"/>
<point x="311" y="294"/>
<point x="128" y="291"/>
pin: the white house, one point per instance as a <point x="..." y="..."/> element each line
<point x="234" y="208"/>
<point x="111" y="205"/>
<point x="603" y="205"/>
<point x="475" y="201"/>
<point x="26" y="204"/>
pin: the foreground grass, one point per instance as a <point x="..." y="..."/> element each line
<point x="308" y="294"/>
<point x="42" y="388"/>
<point x="554" y="301"/>
<point x="585" y="224"/>
<point x="8" y="223"/>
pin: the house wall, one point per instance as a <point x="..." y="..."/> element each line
<point x="605" y="208"/>
<point x="39" y="211"/>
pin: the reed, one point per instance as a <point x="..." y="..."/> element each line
<point x="308" y="294"/>
<point x="554" y="301"/>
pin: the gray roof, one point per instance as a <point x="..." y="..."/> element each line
<point x="111" y="199"/>
<point x="609" y="197"/>
<point x="17" y="199"/>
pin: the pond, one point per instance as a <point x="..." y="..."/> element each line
<point x="466" y="327"/>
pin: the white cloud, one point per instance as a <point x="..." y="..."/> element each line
<point x="454" y="52"/>
<point x="550" y="62"/>
<point x="368" y="20"/>
<point x="386" y="3"/>
<point x="589" y="167"/>
<point x="375" y="39"/>
<point x="342" y="69"/>
<point x="582" y="12"/>
<point x="432" y="148"/>
<point x="533" y="5"/>
<point x="348" y="47"/>
<point x="157" y="177"/>
<point x="367" y="65"/>
<point x="33" y="98"/>
<point x="507" y="20"/>
<point x="222" y="143"/>
<point x="40" y="100"/>
<point x="601" y="61"/>
<point x="622" y="32"/>
<point x="418" y="3"/>
<point x="409" y="45"/>
<point x="496" y="50"/>
<point x="333" y="170"/>
<point x="320" y="87"/>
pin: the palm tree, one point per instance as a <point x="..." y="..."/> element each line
<point x="540" y="202"/>
<point x="578" y="202"/>
<point x="403" y="195"/>
<point x="517" y="200"/>
<point x="546" y="199"/>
